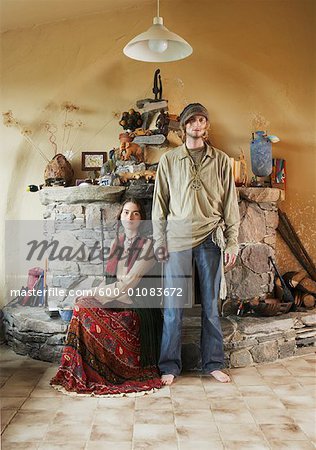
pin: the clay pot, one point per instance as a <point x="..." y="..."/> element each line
<point x="59" y="171"/>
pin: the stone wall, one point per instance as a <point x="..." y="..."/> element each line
<point x="74" y="217"/>
<point x="252" y="275"/>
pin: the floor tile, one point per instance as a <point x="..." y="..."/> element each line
<point x="222" y="391"/>
<point x="306" y="381"/>
<point x="62" y="417"/>
<point x="246" y="371"/>
<point x="289" y="390"/>
<point x="309" y="428"/>
<point x="15" y="391"/>
<point x="68" y="432"/>
<point x="11" y="402"/>
<point x="291" y="445"/>
<point x="195" y="432"/>
<point x="154" y="445"/>
<point x="231" y="416"/>
<point x="302" y="414"/>
<point x="120" y="433"/>
<point x="244" y="380"/>
<point x="154" y="417"/>
<point x="256" y="391"/>
<point x="299" y="401"/>
<point x="154" y="432"/>
<point x="303" y="371"/>
<point x="272" y="416"/>
<point x="116" y="403"/>
<point x="6" y="417"/>
<point x="41" y="404"/>
<point x="188" y="392"/>
<point x="263" y="402"/>
<point x="236" y="432"/>
<point x="183" y="404"/>
<point x="292" y="363"/>
<point x="61" y="446"/>
<point x="79" y="404"/>
<point x="7" y="445"/>
<point x="245" y="445"/>
<point x="237" y="404"/>
<point x="193" y="418"/>
<point x="36" y="417"/>
<point x="161" y="403"/>
<point x="22" y="433"/>
<point x="283" y="431"/>
<point x="277" y="381"/>
<point x="276" y="371"/>
<point x="113" y="417"/>
<point x="201" y="445"/>
<point x="105" y="445"/>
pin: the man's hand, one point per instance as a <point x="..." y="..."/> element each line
<point x="230" y="260"/>
<point x="162" y="254"/>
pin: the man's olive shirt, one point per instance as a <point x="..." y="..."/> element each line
<point x="188" y="216"/>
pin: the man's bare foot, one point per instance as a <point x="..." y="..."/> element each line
<point x="220" y="376"/>
<point x="167" y="379"/>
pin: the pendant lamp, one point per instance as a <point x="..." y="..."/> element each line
<point x="157" y="44"/>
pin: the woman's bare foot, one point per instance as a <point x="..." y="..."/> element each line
<point x="220" y="376"/>
<point x="167" y="379"/>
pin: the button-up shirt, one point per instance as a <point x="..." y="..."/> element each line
<point x="184" y="217"/>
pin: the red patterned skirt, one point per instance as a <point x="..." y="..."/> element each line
<point x="102" y="354"/>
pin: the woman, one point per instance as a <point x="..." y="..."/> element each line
<point x="112" y="345"/>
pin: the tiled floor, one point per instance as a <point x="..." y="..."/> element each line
<point x="265" y="407"/>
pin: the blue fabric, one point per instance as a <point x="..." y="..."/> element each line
<point x="178" y="270"/>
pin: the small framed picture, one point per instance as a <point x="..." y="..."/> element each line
<point x="93" y="160"/>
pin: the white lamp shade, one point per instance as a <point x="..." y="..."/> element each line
<point x="139" y="49"/>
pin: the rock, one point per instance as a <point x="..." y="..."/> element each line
<point x="265" y="352"/>
<point x="242" y="283"/>
<point x="50" y="353"/>
<point x="309" y="320"/>
<point x="270" y="240"/>
<point x="265" y="325"/>
<point x="139" y="189"/>
<point x="287" y="349"/>
<point x="252" y="225"/>
<point x="64" y="217"/>
<point x="81" y="194"/>
<point x="272" y="219"/>
<point x="228" y="328"/>
<point x="241" y="358"/>
<point x="256" y="257"/>
<point x="260" y="195"/>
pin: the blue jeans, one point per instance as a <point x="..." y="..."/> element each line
<point x="207" y="257"/>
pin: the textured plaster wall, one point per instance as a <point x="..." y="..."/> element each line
<point x="249" y="56"/>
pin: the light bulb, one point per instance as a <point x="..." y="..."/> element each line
<point x="158" y="45"/>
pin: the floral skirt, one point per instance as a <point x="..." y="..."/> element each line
<point x="102" y="354"/>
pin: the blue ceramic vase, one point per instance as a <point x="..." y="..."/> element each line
<point x="261" y="154"/>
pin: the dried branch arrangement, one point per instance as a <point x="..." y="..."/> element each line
<point x="69" y="128"/>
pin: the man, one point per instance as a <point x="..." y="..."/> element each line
<point x="195" y="186"/>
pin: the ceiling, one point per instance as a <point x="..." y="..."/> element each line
<point x="16" y="14"/>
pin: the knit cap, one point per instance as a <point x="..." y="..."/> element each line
<point x="191" y="110"/>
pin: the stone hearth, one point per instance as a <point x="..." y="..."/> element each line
<point x="247" y="340"/>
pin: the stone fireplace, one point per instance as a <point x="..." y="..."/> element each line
<point x="84" y="216"/>
<point x="76" y="215"/>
